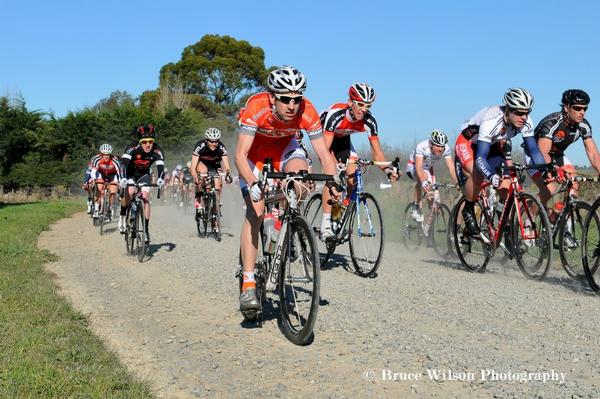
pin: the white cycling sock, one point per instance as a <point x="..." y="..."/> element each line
<point x="326" y="221"/>
<point x="249" y="276"/>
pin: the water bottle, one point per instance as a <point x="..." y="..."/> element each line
<point x="269" y="230"/>
<point x="336" y="211"/>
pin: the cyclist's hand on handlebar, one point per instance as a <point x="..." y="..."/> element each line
<point x="123" y="183"/>
<point x="495" y="180"/>
<point x="335" y="190"/>
<point x="426" y="185"/>
<point x="228" y="178"/>
<point x="256" y="191"/>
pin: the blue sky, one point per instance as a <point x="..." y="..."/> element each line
<point x="432" y="63"/>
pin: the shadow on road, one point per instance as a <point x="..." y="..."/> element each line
<point x="154" y="248"/>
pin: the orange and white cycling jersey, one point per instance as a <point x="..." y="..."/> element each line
<point x="338" y="120"/>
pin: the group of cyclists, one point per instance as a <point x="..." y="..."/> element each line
<point x="273" y="123"/>
<point x="133" y="170"/>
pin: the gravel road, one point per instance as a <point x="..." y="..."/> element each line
<point x="422" y="328"/>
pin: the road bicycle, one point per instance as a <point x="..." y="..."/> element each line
<point x="530" y="232"/>
<point x="433" y="229"/>
<point x="356" y="219"/>
<point x="590" y="248"/>
<point x="288" y="262"/>
<point x="135" y="222"/>
<point x="209" y="212"/>
<point x="106" y="210"/>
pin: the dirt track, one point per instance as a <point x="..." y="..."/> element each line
<point x="174" y="319"/>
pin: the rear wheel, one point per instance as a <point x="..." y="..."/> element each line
<point x="411" y="229"/>
<point x="591" y="247"/>
<point x="202" y="218"/>
<point x="299" y="282"/>
<point x="313" y="212"/>
<point x="570" y="239"/>
<point x="532" y="244"/>
<point x="439" y="231"/>
<point x="473" y="253"/>
<point x="366" y="236"/>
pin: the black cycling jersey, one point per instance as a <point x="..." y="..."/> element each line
<point x="212" y="159"/>
<point x="556" y="128"/>
<point x="137" y="162"/>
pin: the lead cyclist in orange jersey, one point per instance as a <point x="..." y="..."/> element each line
<point x="268" y="126"/>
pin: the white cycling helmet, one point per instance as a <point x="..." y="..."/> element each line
<point x="106" y="149"/>
<point x="438" y="138"/>
<point x="178" y="168"/>
<point x="188" y="164"/>
<point x="285" y="80"/>
<point x="212" y="133"/>
<point x="361" y="92"/>
<point x="518" y="99"/>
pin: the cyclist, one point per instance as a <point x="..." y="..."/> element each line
<point x="209" y="155"/>
<point x="268" y="124"/>
<point x="174" y="185"/>
<point x="87" y="186"/>
<point x="479" y="147"/>
<point x="186" y="178"/>
<point x="137" y="161"/>
<point x="339" y="122"/>
<point x="106" y="169"/>
<point x="419" y="168"/>
<point x="555" y="133"/>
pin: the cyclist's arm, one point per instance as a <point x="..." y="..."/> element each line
<point x="544" y="145"/>
<point x="592" y="153"/>
<point x="532" y="145"/>
<point x="241" y="157"/>
<point x="225" y="163"/>
<point x="329" y="136"/>
<point x="194" y="167"/>
<point x="419" y="169"/>
<point x="325" y="157"/>
<point x="376" y="150"/>
<point x="450" y="166"/>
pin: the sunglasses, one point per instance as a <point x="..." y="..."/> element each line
<point x="521" y="113"/>
<point x="213" y="141"/>
<point x="147" y="141"/>
<point x="362" y="105"/>
<point x="288" y="99"/>
<point x="579" y="108"/>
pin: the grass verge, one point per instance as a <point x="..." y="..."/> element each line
<point x="46" y="349"/>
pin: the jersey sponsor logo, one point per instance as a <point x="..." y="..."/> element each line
<point x="560" y="135"/>
<point x="278" y="132"/>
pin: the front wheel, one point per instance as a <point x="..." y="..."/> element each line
<point x="591" y="247"/>
<point x="439" y="231"/>
<point x="473" y="253"/>
<point x="532" y="237"/>
<point x="366" y="236"/>
<point x="299" y="282"/>
<point x="140" y="234"/>
<point x="570" y="239"/>
<point x="411" y="229"/>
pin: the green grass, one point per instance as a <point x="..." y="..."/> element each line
<point x="46" y="349"/>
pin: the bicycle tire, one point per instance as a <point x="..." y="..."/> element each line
<point x="543" y="240"/>
<point x="371" y="261"/>
<point x="313" y="214"/>
<point x="411" y="230"/>
<point x="439" y="231"/>
<point x="571" y="257"/>
<point x="216" y="220"/>
<point x="129" y="233"/>
<point x="140" y="234"/>
<point x="298" y="267"/>
<point x="103" y="216"/>
<point x="472" y="260"/>
<point x="591" y="247"/>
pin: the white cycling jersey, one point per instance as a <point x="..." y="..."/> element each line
<point x="424" y="150"/>
<point x="492" y="128"/>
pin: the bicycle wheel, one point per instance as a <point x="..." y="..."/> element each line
<point x="313" y="212"/>
<point x="570" y="239"/>
<point x="129" y="233"/>
<point x="140" y="234"/>
<point x="216" y="220"/>
<point x="366" y="236"/>
<point x="411" y="229"/>
<point x="473" y="253"/>
<point x="439" y="231"/>
<point x="591" y="247"/>
<point x="104" y="214"/>
<point x="299" y="282"/>
<point x="202" y="218"/>
<point x="532" y="238"/>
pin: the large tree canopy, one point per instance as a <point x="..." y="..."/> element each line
<point x="220" y="68"/>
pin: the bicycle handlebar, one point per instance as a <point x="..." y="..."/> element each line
<point x="303" y="175"/>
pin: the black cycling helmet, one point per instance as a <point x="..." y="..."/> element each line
<point x="575" y="97"/>
<point x="145" y="132"/>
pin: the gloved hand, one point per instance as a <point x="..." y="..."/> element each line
<point x="228" y="178"/>
<point x="426" y="185"/>
<point x="495" y="180"/>
<point x="160" y="182"/>
<point x="123" y="182"/>
<point x="256" y="191"/>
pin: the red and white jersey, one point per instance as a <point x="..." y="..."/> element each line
<point x="491" y="128"/>
<point x="257" y="118"/>
<point x="106" y="167"/>
<point x="424" y="150"/>
<point x="338" y="120"/>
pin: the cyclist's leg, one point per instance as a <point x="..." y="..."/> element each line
<point x="469" y="181"/>
<point x="146" y="198"/>
<point x="202" y="169"/>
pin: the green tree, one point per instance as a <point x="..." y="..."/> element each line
<point x="219" y="68"/>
